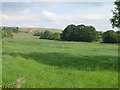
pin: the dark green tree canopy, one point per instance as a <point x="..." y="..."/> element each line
<point x="110" y="36"/>
<point x="115" y="20"/>
<point x="79" y="33"/>
<point x="118" y="32"/>
<point x="68" y="33"/>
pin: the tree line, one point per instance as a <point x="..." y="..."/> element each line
<point x="82" y="33"/>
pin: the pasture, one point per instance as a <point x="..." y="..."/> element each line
<point x="57" y="64"/>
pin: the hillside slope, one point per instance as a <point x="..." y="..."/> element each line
<point x="34" y="30"/>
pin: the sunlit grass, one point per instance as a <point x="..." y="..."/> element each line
<point x="57" y="64"/>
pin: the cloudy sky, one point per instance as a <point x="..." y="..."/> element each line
<point x="57" y="14"/>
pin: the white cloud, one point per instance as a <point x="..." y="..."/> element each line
<point x="4" y="17"/>
<point x="49" y="16"/>
<point x="98" y="17"/>
<point x="62" y="17"/>
<point x="48" y="19"/>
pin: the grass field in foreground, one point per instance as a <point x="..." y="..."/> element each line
<point x="57" y="64"/>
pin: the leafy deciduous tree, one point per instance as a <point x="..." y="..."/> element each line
<point x="115" y="20"/>
<point x="110" y="37"/>
<point x="79" y="33"/>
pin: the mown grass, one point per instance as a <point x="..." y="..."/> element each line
<point x="57" y="64"/>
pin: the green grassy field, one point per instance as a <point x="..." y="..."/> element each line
<point x="57" y="64"/>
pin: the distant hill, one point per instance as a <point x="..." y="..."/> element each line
<point x="35" y="30"/>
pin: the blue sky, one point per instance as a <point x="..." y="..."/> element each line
<point x="57" y="14"/>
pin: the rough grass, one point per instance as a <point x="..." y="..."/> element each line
<point x="34" y="30"/>
<point x="0" y="63"/>
<point x="57" y="64"/>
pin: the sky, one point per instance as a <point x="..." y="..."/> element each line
<point x="57" y="14"/>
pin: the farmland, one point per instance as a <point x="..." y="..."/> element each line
<point x="59" y="64"/>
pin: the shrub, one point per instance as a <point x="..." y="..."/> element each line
<point x="110" y="37"/>
<point x="37" y="34"/>
<point x="55" y="36"/>
<point x="45" y="35"/>
<point x="118" y="32"/>
<point x="15" y="30"/>
<point x="49" y="35"/>
<point x="6" y="33"/>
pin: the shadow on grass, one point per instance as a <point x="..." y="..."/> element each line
<point x="87" y="63"/>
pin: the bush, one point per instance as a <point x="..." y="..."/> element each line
<point x="6" y="33"/>
<point x="37" y="34"/>
<point x="55" y="36"/>
<point x="45" y="35"/>
<point x="110" y="37"/>
<point x="15" y="30"/>
<point x="118" y="32"/>
<point x="49" y="35"/>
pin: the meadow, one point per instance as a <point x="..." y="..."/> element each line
<point x="59" y="64"/>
